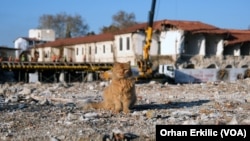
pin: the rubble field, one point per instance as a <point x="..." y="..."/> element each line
<point x="53" y="111"/>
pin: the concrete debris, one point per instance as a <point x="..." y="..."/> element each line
<point x="25" y="91"/>
<point x="46" y="111"/>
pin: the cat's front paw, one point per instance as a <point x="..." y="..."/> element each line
<point x="126" y="111"/>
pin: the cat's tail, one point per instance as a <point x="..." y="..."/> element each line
<point x="93" y="105"/>
<point x="96" y="105"/>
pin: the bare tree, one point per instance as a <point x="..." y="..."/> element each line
<point x="123" y="19"/>
<point x="64" y="25"/>
<point x="110" y="29"/>
<point x="90" y="33"/>
<point x="119" y="21"/>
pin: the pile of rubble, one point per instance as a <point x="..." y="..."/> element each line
<point x="46" y="111"/>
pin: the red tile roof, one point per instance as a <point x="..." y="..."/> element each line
<point x="191" y="26"/>
<point x="78" y="40"/>
<point x="238" y="36"/>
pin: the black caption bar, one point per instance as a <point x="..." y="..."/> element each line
<point x="197" y="132"/>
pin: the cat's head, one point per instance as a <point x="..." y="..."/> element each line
<point x="121" y="70"/>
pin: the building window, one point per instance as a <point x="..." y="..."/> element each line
<point x="76" y="51"/>
<point x="89" y="49"/>
<point x="128" y="43"/>
<point x="82" y="50"/>
<point x="111" y="48"/>
<point x="95" y="49"/>
<point x="120" y="43"/>
<point x="159" y="47"/>
<point x="103" y="48"/>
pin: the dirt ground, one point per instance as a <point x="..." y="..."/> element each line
<point x="52" y="112"/>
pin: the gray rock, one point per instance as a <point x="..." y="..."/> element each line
<point x="91" y="115"/>
<point x="71" y="117"/>
<point x="233" y="121"/>
<point x="2" y="91"/>
<point x="25" y="91"/>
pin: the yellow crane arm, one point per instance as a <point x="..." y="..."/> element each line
<point x="148" y="43"/>
<point x="144" y="65"/>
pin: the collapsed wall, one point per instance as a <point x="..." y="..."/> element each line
<point x="221" y="62"/>
<point x="201" y="62"/>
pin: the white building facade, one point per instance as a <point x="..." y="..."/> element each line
<point x="36" y="36"/>
<point x="42" y="34"/>
<point x="170" y="40"/>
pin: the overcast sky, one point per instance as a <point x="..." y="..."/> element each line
<point x="18" y="16"/>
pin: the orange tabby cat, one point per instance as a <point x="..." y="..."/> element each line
<point x="120" y="94"/>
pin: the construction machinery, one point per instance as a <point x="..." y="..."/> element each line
<point x="145" y="71"/>
<point x="145" y="65"/>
